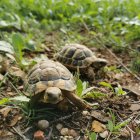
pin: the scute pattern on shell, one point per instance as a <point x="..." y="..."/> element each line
<point x="74" y="55"/>
<point x="50" y="74"/>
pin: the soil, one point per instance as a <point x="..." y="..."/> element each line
<point x="21" y="123"/>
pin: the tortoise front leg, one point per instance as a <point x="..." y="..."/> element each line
<point x="77" y="101"/>
<point x="90" y="74"/>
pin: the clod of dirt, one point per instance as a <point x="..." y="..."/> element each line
<point x="73" y="133"/>
<point x="39" y="135"/>
<point x="43" y="124"/>
<point x="59" y="126"/>
<point x="64" y="131"/>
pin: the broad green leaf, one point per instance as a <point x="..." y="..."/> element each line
<point x="92" y="136"/>
<point x="85" y="85"/>
<point x="18" y="44"/>
<point x="110" y="125"/>
<point x="4" y="101"/>
<point x="105" y="84"/>
<point x="119" y="90"/>
<point x="79" y="87"/>
<point x="20" y="98"/>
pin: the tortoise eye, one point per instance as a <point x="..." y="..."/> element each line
<point x="49" y="94"/>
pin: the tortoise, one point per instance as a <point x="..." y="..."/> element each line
<point x="50" y="82"/>
<point x="79" y="57"/>
<point x="6" y="56"/>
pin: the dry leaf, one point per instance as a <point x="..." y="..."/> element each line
<point x="4" y="111"/>
<point x="5" y="133"/>
<point x="11" y="93"/>
<point x="98" y="127"/>
<point x="100" y="116"/>
<point x="15" y="120"/>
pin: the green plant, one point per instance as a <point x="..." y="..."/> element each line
<point x="81" y="86"/>
<point x="105" y="84"/>
<point x="117" y="90"/>
<point x="18" y="45"/>
<point x="92" y="136"/>
<point x="135" y="65"/>
<point x="113" y="126"/>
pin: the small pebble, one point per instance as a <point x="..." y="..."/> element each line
<point x="85" y="113"/>
<point x="43" y="124"/>
<point x="64" y="131"/>
<point x="39" y="135"/>
<point x="104" y="134"/>
<point x="59" y="126"/>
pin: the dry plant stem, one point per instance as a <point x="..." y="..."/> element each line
<point x="102" y="44"/>
<point x="49" y="135"/>
<point x="132" y="137"/>
<point x="77" y="101"/>
<point x="108" y="138"/>
<point x="115" y="138"/>
<point x="19" y="133"/>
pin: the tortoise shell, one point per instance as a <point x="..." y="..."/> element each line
<point x="76" y="55"/>
<point x="48" y="73"/>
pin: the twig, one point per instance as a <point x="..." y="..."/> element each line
<point x="4" y="78"/>
<point x="115" y="138"/>
<point x="102" y="44"/>
<point x="136" y="117"/>
<point x="135" y="102"/>
<point x="65" y="118"/>
<point x="19" y="133"/>
<point x="13" y="85"/>
<point x="109" y="136"/>
<point x="49" y="135"/>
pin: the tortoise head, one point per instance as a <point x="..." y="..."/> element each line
<point x="99" y="63"/>
<point x="95" y="62"/>
<point x="53" y="95"/>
